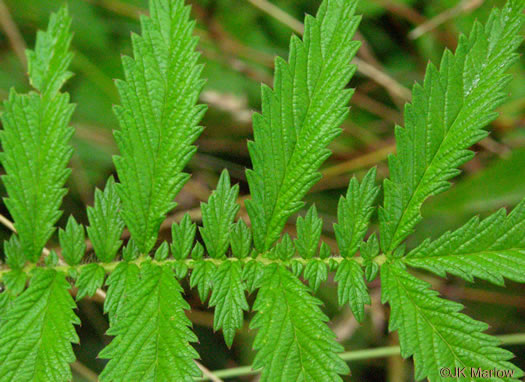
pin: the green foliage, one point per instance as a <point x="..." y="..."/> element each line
<point x="422" y="318"/>
<point x="228" y="299"/>
<point x="293" y="342"/>
<point x="300" y="118"/>
<point x="252" y="275"/>
<point x="37" y="331"/>
<point x="218" y="216"/>
<point x="158" y="118"/>
<point x="446" y="117"/>
<point x="241" y="240"/>
<point x="35" y="139"/>
<point x="202" y="277"/>
<point x="120" y="284"/>
<point x="72" y="241"/>
<point x="106" y="225"/>
<point x="316" y="272"/>
<point x="490" y="249"/>
<point x="152" y="336"/>
<point x="308" y="234"/>
<point x="182" y="235"/>
<point x="14" y="253"/>
<point x="90" y="279"/>
<point x="48" y="63"/>
<point x="351" y="287"/>
<point x="369" y="251"/>
<point x="354" y="212"/>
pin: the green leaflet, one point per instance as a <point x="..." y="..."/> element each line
<point x="316" y="272"/>
<point x="446" y="117"/>
<point x="106" y="225"/>
<point x="300" y="117"/>
<point x="90" y="279"/>
<point x="14" y="253"/>
<point x="228" y="298"/>
<point x="35" y="139"/>
<point x="48" y="63"/>
<point x="218" y="216"/>
<point x="369" y="251"/>
<point x="158" y="118"/>
<point x="252" y="275"/>
<point x="14" y="283"/>
<point x="309" y="231"/>
<point x="490" y="249"/>
<point x="37" y="331"/>
<point x="72" y="241"/>
<point x="182" y="235"/>
<point x="293" y="342"/>
<point x="241" y="240"/>
<point x="354" y="212"/>
<point x="120" y="284"/>
<point x="202" y="278"/>
<point x="351" y="287"/>
<point x="433" y="331"/>
<point x="162" y="252"/>
<point x="152" y="336"/>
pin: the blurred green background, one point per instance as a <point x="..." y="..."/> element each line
<point x="239" y="40"/>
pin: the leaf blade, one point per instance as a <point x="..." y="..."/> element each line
<point x="300" y="117"/>
<point x="293" y="341"/>
<point x="37" y="331"/>
<point x="158" y="117"/>
<point x="422" y="318"/>
<point x="492" y="249"/>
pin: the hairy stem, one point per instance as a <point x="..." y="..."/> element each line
<point x="190" y="263"/>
